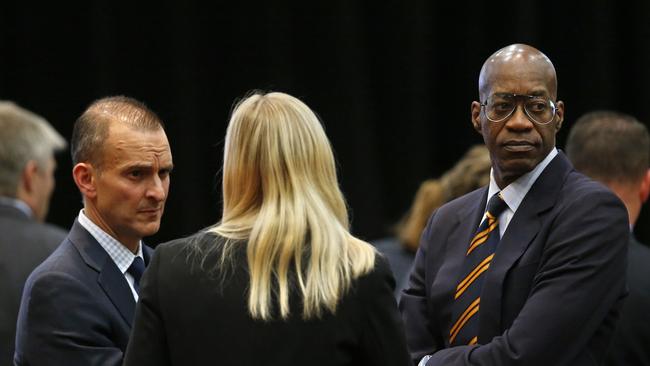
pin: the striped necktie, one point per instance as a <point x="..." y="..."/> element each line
<point x="479" y="255"/>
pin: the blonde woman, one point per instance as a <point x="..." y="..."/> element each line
<point x="279" y="280"/>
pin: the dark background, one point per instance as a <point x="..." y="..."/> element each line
<point x="392" y="81"/>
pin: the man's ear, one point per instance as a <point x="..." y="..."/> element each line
<point x="84" y="177"/>
<point x="560" y="114"/>
<point x="644" y="191"/>
<point x="29" y="172"/>
<point x="476" y="116"/>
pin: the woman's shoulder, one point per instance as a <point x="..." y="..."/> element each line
<point x="200" y="244"/>
<point x="200" y="238"/>
<point x="379" y="278"/>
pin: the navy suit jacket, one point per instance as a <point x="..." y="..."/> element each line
<point x="77" y="307"/>
<point x="553" y="290"/>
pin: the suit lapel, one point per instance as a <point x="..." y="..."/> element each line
<point x="109" y="278"/>
<point x="522" y="230"/>
<point x="468" y="220"/>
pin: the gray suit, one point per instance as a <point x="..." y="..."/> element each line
<point x="24" y="244"/>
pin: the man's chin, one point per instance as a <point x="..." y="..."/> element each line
<point x="514" y="168"/>
<point x="149" y="229"/>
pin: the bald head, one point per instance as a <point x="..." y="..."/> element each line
<point x="517" y="62"/>
<point x="92" y="128"/>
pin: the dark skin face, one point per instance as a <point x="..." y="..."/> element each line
<point x="517" y="144"/>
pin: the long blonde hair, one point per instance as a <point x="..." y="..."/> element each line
<point x="280" y="193"/>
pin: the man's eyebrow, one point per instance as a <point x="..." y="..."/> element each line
<point x="538" y="93"/>
<point x="137" y="166"/>
<point x="535" y="93"/>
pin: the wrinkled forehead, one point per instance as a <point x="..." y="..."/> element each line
<point x="125" y="144"/>
<point x="518" y="74"/>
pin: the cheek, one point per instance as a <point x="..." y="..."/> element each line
<point x="490" y="133"/>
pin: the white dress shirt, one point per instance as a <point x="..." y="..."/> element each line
<point x="515" y="192"/>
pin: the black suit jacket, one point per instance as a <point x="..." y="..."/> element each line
<point x="77" y="307"/>
<point x="552" y="291"/>
<point x="631" y="341"/>
<point x="190" y="315"/>
<point x="24" y="244"/>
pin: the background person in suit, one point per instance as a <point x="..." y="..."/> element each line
<point x="614" y="148"/>
<point x="27" y="147"/>
<point x="78" y="305"/>
<point x="472" y="171"/>
<point x="280" y="280"/>
<point x="540" y="280"/>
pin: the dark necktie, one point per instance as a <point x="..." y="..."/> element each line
<point x="479" y="255"/>
<point x="136" y="269"/>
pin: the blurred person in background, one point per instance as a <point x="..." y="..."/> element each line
<point x="471" y="172"/>
<point x="614" y="149"/>
<point x="28" y="144"/>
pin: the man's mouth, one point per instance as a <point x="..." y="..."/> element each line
<point x="149" y="210"/>
<point x="519" y="146"/>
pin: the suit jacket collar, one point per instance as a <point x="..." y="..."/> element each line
<point x="14" y="212"/>
<point x="109" y="277"/>
<point x="523" y="228"/>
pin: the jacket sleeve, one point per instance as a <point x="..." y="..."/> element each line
<point x="580" y="280"/>
<point x="148" y="342"/>
<point x="414" y="305"/>
<point x="58" y="325"/>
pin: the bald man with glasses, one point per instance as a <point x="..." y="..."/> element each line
<point x="529" y="270"/>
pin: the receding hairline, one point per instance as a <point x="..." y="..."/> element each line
<point x="517" y="54"/>
<point x="126" y="110"/>
<point x="93" y="126"/>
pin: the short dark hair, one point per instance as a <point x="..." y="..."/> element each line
<point x="610" y="146"/>
<point x="91" y="128"/>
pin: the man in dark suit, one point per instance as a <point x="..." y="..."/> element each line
<point x="78" y="305"/>
<point x="535" y="277"/>
<point x="27" y="147"/>
<point x="614" y="148"/>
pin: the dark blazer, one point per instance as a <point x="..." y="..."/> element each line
<point x="631" y="341"/>
<point x="188" y="315"/>
<point x="24" y="244"/>
<point x="554" y="287"/>
<point x="77" y="307"/>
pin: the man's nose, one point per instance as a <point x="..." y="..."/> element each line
<point x="156" y="189"/>
<point x="519" y="120"/>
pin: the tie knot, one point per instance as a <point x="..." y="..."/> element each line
<point x="496" y="205"/>
<point x="136" y="269"/>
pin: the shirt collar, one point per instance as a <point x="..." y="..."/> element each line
<point x="119" y="253"/>
<point x="515" y="192"/>
<point x="19" y="204"/>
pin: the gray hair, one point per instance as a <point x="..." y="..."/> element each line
<point x="24" y="136"/>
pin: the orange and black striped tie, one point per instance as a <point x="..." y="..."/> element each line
<point x="479" y="255"/>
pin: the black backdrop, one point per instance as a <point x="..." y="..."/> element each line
<point x="392" y="81"/>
